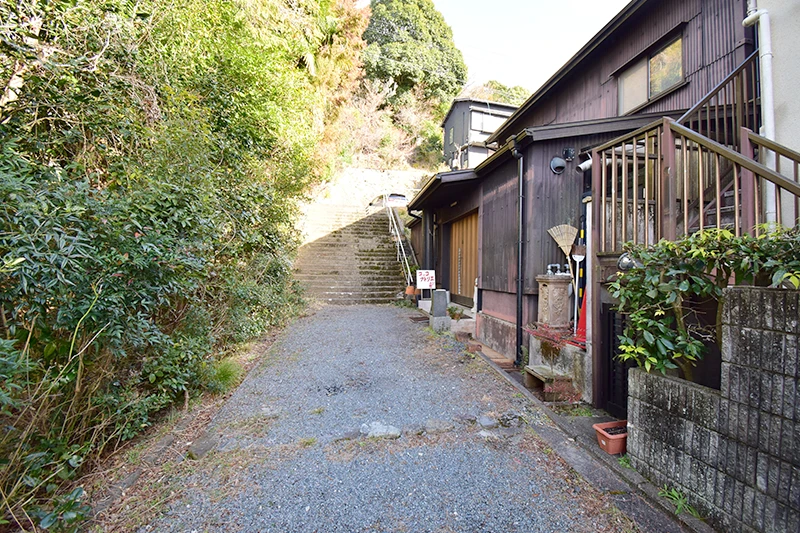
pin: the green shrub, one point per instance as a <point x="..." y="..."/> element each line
<point x="657" y="296"/>
<point x="151" y="160"/>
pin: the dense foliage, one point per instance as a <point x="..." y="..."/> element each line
<point x="152" y="154"/>
<point x="495" y="91"/>
<point x="659" y="295"/>
<point x="410" y="45"/>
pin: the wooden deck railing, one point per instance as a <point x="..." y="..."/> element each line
<point x="731" y="105"/>
<point x="629" y="188"/>
<point x="786" y="162"/>
<point x="666" y="180"/>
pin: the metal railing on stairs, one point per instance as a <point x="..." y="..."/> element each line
<point x="395" y="229"/>
<point x="786" y="163"/>
<point x="731" y="105"/>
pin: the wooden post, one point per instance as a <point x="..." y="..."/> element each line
<point x="669" y="219"/>
<point x="748" y="183"/>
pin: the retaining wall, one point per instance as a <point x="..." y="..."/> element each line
<point x="735" y="452"/>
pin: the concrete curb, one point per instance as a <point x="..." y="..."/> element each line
<point x="631" y="492"/>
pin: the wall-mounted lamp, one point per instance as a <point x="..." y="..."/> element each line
<point x="569" y="154"/>
<point x="557" y="165"/>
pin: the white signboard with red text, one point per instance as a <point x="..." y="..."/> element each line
<point x="426" y="279"/>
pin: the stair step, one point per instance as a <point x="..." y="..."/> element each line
<point x="351" y="289"/>
<point x="327" y="295"/>
<point x="349" y="256"/>
<point x="359" y="301"/>
<point x="314" y="277"/>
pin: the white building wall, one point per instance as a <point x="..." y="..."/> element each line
<point x="785" y="25"/>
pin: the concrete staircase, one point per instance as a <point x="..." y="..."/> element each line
<point x="348" y="256"/>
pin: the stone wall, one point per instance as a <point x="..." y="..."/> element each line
<point x="735" y="452"/>
<point x="570" y="361"/>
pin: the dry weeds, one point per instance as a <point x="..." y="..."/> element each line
<point x="159" y="457"/>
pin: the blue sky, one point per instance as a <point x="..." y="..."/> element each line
<point x="523" y="42"/>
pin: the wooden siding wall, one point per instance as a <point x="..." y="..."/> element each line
<point x="713" y="45"/>
<point x="550" y="200"/>
<point x="466" y="202"/>
<point x="464" y="255"/>
<point x="416" y="242"/>
<point x="498" y="227"/>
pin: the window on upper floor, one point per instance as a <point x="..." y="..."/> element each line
<point x="450" y="135"/>
<point x="650" y="77"/>
<point x="485" y="122"/>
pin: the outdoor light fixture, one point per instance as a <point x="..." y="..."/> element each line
<point x="557" y="165"/>
<point x="626" y="262"/>
<point x="569" y="154"/>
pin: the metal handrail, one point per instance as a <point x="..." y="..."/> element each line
<point x="752" y="58"/>
<point x="394" y="230"/>
<point x="730" y="105"/>
<point x="745" y="162"/>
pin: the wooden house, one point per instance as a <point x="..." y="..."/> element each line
<point x="450" y="203"/>
<point x="654" y="59"/>
<point x="652" y="64"/>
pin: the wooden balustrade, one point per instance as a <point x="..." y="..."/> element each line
<point x="666" y="180"/>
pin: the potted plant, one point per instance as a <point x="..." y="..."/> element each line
<point x="411" y="289"/>
<point x="612" y="436"/>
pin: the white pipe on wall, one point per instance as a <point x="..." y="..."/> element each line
<point x="761" y="16"/>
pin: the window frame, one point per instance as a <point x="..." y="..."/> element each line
<point x="650" y="58"/>
<point x="647" y="56"/>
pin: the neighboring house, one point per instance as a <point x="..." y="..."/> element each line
<point x="468" y="123"/>
<point x="450" y="210"/>
<point x="654" y="59"/>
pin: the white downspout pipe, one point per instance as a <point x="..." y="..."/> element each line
<point x="761" y="16"/>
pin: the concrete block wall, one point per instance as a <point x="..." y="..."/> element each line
<point x="734" y="452"/>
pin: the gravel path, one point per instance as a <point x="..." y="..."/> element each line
<point x="290" y="456"/>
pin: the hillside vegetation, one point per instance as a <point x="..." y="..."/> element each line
<point x="152" y="155"/>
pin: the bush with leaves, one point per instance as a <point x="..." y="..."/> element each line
<point x="657" y="294"/>
<point x="152" y="156"/>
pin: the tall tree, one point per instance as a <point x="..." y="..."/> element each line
<point x="410" y="44"/>
<point x="497" y="92"/>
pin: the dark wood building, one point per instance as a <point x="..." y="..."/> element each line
<point x="655" y="59"/>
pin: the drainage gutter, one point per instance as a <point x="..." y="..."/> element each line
<point x="517" y="154"/>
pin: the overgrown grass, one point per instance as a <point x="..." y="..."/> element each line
<point x="225" y="375"/>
